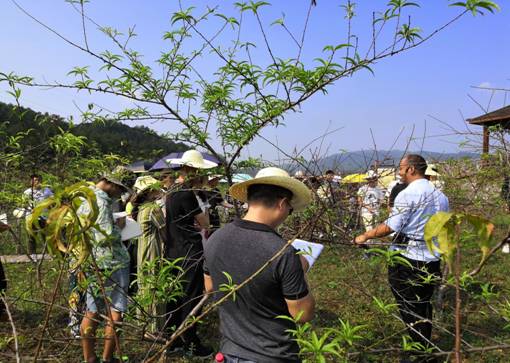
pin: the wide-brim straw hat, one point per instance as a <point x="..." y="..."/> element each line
<point x="194" y="159"/>
<point x="301" y="195"/>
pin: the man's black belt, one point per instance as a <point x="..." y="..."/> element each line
<point x="403" y="239"/>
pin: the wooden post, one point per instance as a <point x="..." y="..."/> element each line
<point x="485" y="149"/>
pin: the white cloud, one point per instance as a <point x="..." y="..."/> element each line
<point x="485" y="85"/>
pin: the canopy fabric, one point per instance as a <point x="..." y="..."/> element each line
<point x="238" y="178"/>
<point x="162" y="164"/>
<point x="354" y="178"/>
<point x="386" y="176"/>
<point x="140" y="166"/>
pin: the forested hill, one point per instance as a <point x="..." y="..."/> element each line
<point x="138" y="142"/>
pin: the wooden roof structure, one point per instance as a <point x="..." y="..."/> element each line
<point x="497" y="117"/>
<point x="492" y="118"/>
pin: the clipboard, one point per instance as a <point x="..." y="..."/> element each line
<point x="131" y="230"/>
<point x="309" y="250"/>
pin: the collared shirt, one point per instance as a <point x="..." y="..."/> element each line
<point x="413" y="208"/>
<point x="35" y="196"/>
<point x="249" y="324"/>
<point x="107" y="246"/>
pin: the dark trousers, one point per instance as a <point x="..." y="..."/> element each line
<point x="193" y="288"/>
<point x="413" y="296"/>
<point x="3" y="286"/>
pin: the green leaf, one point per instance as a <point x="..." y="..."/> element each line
<point x="477" y="6"/>
<point x="483" y="230"/>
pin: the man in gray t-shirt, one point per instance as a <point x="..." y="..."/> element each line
<point x="251" y="331"/>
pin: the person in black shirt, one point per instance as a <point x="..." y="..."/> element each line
<point x="213" y="198"/>
<point x="397" y="188"/>
<point x="3" y="280"/>
<point x="184" y="220"/>
<point x="251" y="331"/>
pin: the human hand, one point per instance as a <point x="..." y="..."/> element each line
<point x="360" y="240"/>
<point x="121" y="222"/>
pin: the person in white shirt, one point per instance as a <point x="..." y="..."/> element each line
<point x="409" y="281"/>
<point x="33" y="196"/>
<point x="370" y="199"/>
<point x="37" y="192"/>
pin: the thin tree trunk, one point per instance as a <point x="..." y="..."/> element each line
<point x="458" y="357"/>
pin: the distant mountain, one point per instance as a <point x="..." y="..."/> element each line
<point x="360" y="161"/>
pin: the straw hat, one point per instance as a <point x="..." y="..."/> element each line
<point x="301" y="195"/>
<point x="194" y="159"/>
<point x="431" y="170"/>
<point x="144" y="182"/>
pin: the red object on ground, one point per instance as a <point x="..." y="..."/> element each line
<point x="219" y="357"/>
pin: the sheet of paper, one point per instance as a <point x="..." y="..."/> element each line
<point x="310" y="250"/>
<point x="118" y="215"/>
<point x="20" y="212"/>
<point x="131" y="230"/>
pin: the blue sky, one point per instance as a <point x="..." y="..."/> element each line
<point x="408" y="90"/>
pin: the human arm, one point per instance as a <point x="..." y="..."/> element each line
<point x="208" y="284"/>
<point x="304" y="307"/>
<point x="202" y="220"/>
<point x="382" y="230"/>
<point x="298" y="298"/>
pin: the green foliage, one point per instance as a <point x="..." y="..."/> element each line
<point x="160" y="282"/>
<point x="408" y="345"/>
<point x="229" y="286"/>
<point x="65" y="231"/>
<point x="385" y="308"/>
<point x="476" y="7"/>
<point x="348" y="333"/>
<point x="46" y="135"/>
<point x="410" y="34"/>
<point x="67" y="143"/>
<point x="444" y="227"/>
<point x="390" y="257"/>
<point x="333" y="343"/>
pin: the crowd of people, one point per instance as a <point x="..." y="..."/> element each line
<point x="177" y="214"/>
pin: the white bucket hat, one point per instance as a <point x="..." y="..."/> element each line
<point x="371" y="175"/>
<point x="194" y="159"/>
<point x="301" y="195"/>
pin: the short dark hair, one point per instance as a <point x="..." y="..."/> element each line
<point x="267" y="194"/>
<point x="418" y="162"/>
<point x="330" y="171"/>
<point x="38" y="176"/>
